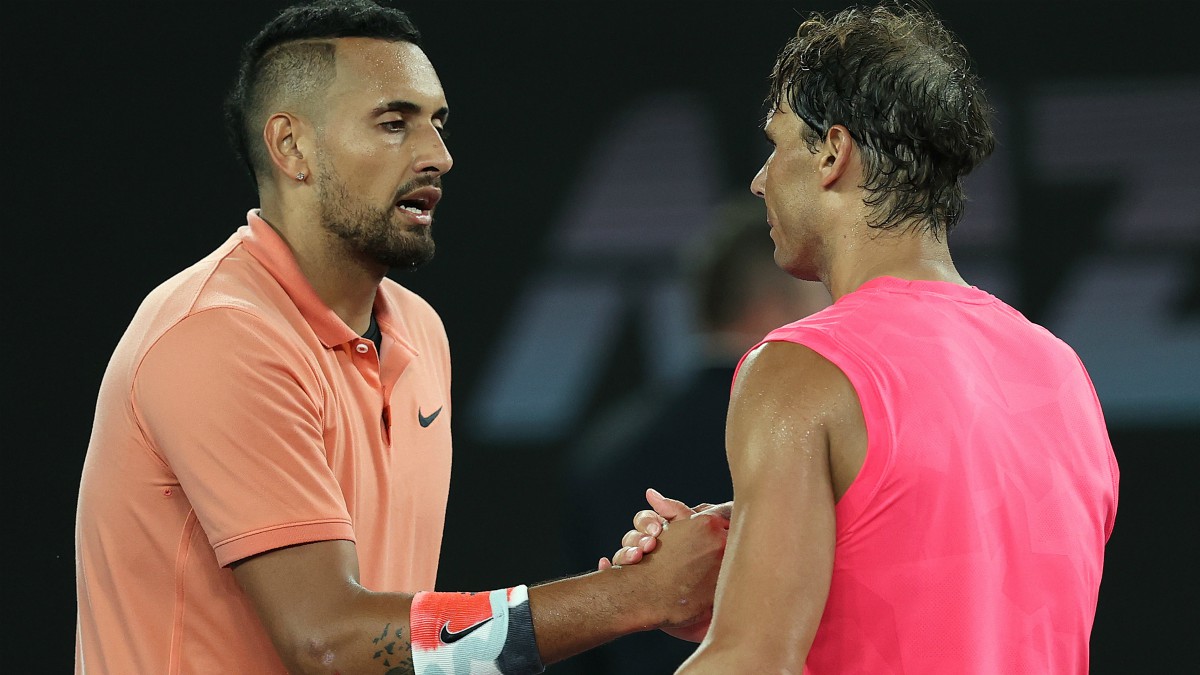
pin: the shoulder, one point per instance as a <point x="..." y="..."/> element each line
<point x="226" y="344"/>
<point x="790" y="386"/>
<point x="229" y="277"/>
<point x="215" y="288"/>
<point x="792" y="407"/>
<point x="788" y="369"/>
<point x="226" y="313"/>
<point x="225" y="303"/>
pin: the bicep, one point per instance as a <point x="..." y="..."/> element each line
<point x="779" y="559"/>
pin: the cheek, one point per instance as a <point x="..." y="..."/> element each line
<point x="777" y="183"/>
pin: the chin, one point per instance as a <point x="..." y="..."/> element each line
<point x="407" y="257"/>
<point x="797" y="268"/>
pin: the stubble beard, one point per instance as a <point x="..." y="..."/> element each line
<point x="370" y="233"/>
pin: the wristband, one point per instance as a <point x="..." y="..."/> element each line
<point x="474" y="633"/>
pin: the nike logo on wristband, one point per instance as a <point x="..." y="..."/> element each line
<point x="449" y="637"/>
<point x="426" y="421"/>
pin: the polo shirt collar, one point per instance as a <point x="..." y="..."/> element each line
<point x="265" y="244"/>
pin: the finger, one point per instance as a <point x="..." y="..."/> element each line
<point x="631" y="538"/>
<point x="648" y="522"/>
<point x="604" y="564"/>
<point x="635" y="539"/>
<point x="627" y="556"/>
<point x="647" y="544"/>
<point x="667" y="508"/>
<point x="723" y="510"/>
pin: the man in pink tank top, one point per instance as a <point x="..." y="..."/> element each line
<point x="923" y="479"/>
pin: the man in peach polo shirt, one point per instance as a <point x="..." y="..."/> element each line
<point x="265" y="486"/>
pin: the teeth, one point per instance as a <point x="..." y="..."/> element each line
<point x="412" y="209"/>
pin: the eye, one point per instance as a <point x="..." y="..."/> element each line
<point x="393" y="125"/>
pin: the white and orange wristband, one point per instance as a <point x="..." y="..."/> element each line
<point x="474" y="633"/>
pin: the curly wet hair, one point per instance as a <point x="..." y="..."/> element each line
<point x="903" y="86"/>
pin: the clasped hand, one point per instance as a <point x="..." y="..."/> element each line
<point x="648" y="526"/>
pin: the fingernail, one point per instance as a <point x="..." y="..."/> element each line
<point x="656" y="493"/>
<point x="644" y="542"/>
<point x="655" y="529"/>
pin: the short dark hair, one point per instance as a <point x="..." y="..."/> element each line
<point x="903" y="86"/>
<point x="292" y="55"/>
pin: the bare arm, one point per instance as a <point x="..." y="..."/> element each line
<point x="791" y="412"/>
<point x="319" y="617"/>
<point x="321" y="620"/>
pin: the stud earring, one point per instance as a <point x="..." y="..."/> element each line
<point x="301" y="176"/>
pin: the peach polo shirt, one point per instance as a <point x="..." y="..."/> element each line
<point x="238" y="415"/>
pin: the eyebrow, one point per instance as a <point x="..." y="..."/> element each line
<point x="410" y="108"/>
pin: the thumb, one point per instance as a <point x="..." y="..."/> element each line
<point x="670" y="509"/>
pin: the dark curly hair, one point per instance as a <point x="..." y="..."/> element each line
<point x="902" y="84"/>
<point x="293" y="56"/>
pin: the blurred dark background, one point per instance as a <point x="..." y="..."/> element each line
<point x="592" y="142"/>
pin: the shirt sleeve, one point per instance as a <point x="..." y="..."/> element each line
<point x="234" y="409"/>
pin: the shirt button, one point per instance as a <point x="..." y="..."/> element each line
<point x="362" y="348"/>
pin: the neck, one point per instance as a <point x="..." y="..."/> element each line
<point x="915" y="256"/>
<point x="345" y="282"/>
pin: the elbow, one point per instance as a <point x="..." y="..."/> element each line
<point x="308" y="655"/>
<point x="319" y="645"/>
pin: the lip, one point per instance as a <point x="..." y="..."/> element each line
<point x="425" y="197"/>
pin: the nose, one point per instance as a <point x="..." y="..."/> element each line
<point x="759" y="184"/>
<point x="432" y="155"/>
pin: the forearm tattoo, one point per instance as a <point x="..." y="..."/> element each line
<point x="393" y="651"/>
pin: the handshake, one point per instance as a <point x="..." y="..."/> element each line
<point x="680" y="548"/>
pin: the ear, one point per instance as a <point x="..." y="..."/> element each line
<point x="283" y="135"/>
<point x="836" y="155"/>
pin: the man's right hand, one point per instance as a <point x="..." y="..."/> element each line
<point x="671" y="589"/>
<point x="665" y="521"/>
<point x="648" y="524"/>
<point x="683" y="569"/>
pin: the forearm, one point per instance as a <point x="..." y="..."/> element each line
<point x="574" y="615"/>
<point x="375" y="630"/>
<point x="368" y="633"/>
<point x="322" y="620"/>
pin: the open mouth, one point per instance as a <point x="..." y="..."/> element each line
<point x="419" y="203"/>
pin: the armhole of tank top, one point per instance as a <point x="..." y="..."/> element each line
<point x="878" y="460"/>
